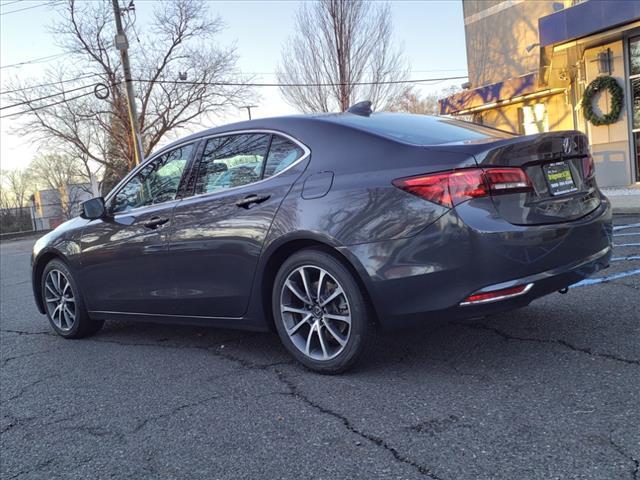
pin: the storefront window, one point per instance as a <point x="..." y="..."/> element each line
<point x="634" y="56"/>
<point x="634" y="79"/>
<point x="534" y="119"/>
<point x="635" y="91"/>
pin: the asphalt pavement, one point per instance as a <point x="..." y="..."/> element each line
<point x="551" y="391"/>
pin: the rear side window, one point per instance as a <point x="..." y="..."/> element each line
<point x="282" y="154"/>
<point x="231" y="161"/>
<point x="420" y="129"/>
<point x="241" y="159"/>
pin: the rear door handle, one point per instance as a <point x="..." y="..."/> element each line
<point x="155" y="222"/>
<point x="251" y="199"/>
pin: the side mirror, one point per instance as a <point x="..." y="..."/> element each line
<point x="93" y="208"/>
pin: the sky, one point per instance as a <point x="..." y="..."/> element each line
<point x="430" y="32"/>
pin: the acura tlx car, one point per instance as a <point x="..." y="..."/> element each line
<point x="328" y="228"/>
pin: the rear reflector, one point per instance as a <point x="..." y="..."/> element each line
<point x="588" y="168"/>
<point x="454" y="187"/>
<point x="495" y="295"/>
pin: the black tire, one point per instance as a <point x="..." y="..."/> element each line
<point x="362" y="330"/>
<point x="81" y="326"/>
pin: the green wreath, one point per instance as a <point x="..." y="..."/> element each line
<point x="603" y="83"/>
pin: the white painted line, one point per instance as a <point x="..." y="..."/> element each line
<point x="608" y="278"/>
<point x="622" y="227"/>
<point x="634" y="234"/>
<point x="621" y="259"/>
<point x="626" y="244"/>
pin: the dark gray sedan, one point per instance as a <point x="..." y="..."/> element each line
<point x="328" y="228"/>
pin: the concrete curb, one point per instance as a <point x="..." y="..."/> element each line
<point x="625" y="203"/>
<point x="14" y="236"/>
<point x="624" y="199"/>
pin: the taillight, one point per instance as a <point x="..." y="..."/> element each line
<point x="588" y="168"/>
<point x="454" y="187"/>
<point x="507" y="180"/>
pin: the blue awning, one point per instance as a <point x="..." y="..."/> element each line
<point x="488" y="94"/>
<point x="586" y="18"/>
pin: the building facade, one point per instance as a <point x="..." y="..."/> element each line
<point x="530" y="63"/>
<point x="50" y="208"/>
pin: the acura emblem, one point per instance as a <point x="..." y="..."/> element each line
<point x="568" y="144"/>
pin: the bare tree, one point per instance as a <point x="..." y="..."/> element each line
<point x="337" y="45"/>
<point x="15" y="185"/>
<point x="66" y="175"/>
<point x="15" y="189"/>
<point x="54" y="171"/>
<point x="179" y="41"/>
<point x="412" y="102"/>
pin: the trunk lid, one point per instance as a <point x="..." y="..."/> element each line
<point x="560" y="169"/>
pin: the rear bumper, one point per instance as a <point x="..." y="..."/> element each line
<point x="470" y="249"/>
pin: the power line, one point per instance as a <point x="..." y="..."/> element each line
<point x="230" y="84"/>
<point x="25" y="102"/>
<point x="29" y="87"/>
<point x="35" y="60"/>
<point x="28" y="8"/>
<point x="41" y="107"/>
<point x="250" y="84"/>
<point x="412" y="71"/>
<point x="68" y="80"/>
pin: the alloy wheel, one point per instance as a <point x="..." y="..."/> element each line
<point x="59" y="299"/>
<point x="315" y="312"/>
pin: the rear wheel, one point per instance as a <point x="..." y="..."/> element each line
<point x="63" y="304"/>
<point x="320" y="312"/>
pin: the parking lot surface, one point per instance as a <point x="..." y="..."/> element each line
<point x="551" y="391"/>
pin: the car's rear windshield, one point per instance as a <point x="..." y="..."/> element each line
<point x="420" y="129"/>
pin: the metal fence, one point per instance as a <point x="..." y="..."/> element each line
<point x="35" y="217"/>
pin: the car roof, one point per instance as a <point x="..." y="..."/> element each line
<point x="414" y="129"/>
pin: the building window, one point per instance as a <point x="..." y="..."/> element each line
<point x="634" y="87"/>
<point x="534" y="119"/>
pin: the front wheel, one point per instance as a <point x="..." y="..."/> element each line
<point x="63" y="304"/>
<point x="320" y="312"/>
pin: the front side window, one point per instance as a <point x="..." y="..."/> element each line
<point x="156" y="182"/>
<point x="231" y="161"/>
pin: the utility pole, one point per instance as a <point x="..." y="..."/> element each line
<point x="122" y="44"/>
<point x="249" y="107"/>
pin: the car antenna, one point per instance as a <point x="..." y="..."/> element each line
<point x="361" y="108"/>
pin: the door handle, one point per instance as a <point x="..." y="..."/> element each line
<point x="155" y="222"/>
<point x="246" y="202"/>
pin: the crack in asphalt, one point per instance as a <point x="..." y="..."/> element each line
<point x="5" y="361"/>
<point x="564" y="343"/>
<point x="14" y="422"/>
<point x="14" y="284"/>
<point x="22" y="332"/>
<point x="37" y="468"/>
<point x="172" y="412"/>
<point x="636" y="469"/>
<point x="295" y="392"/>
<point x="28" y="386"/>
<point x="100" y="432"/>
